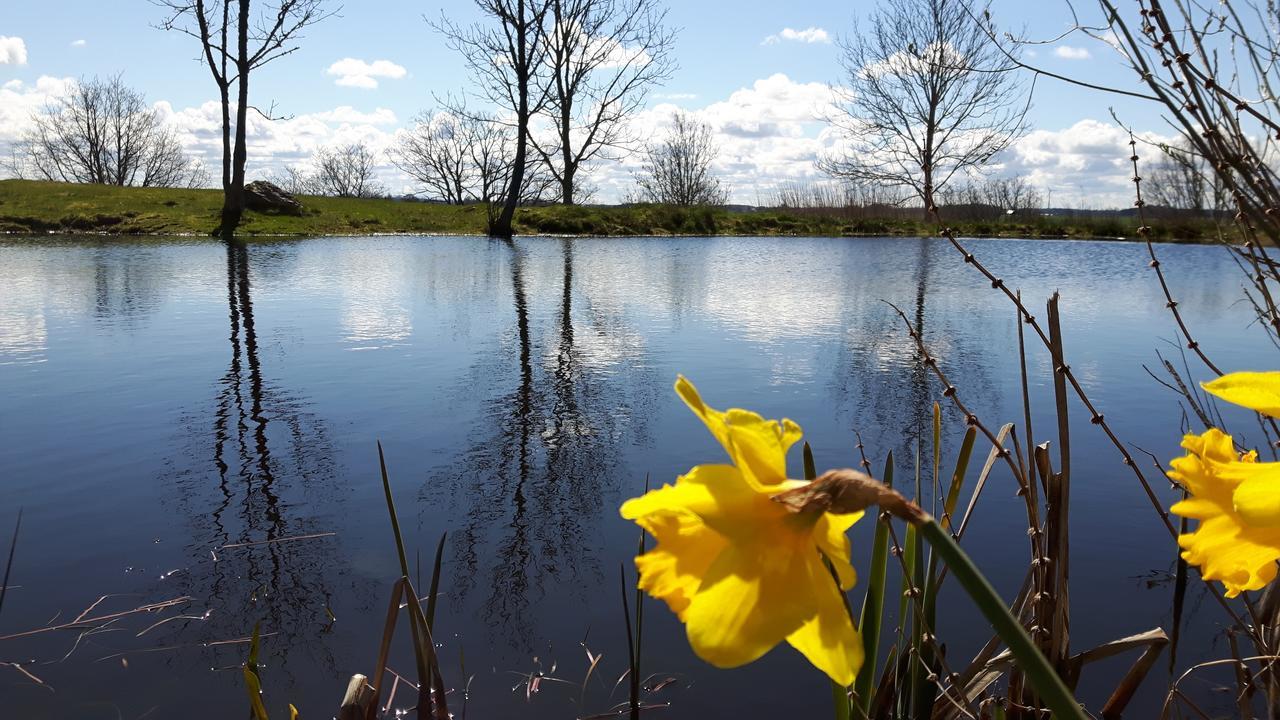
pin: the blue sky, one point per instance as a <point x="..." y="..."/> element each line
<point x="721" y="50"/>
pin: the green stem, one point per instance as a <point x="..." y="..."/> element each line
<point x="1034" y="665"/>
<point x="873" y="606"/>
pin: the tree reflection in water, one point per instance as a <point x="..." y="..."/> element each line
<point x="533" y="485"/>
<point x="260" y="497"/>
<point x="881" y="386"/>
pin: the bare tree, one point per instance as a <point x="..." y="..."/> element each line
<point x="1183" y="180"/>
<point x="462" y="158"/>
<point x="677" y="170"/>
<point x="438" y="152"/>
<point x="490" y="157"/>
<point x="507" y="59"/>
<point x="103" y="132"/>
<point x="926" y="96"/>
<point x="1010" y="195"/>
<point x="604" y="56"/>
<point x="294" y="180"/>
<point x="233" y="46"/>
<point x="345" y="171"/>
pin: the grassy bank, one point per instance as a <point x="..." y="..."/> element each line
<point x="40" y="207"/>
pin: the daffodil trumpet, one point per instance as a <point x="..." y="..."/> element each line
<point x="1234" y="498"/>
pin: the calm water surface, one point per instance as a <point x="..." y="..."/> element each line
<point x="161" y="399"/>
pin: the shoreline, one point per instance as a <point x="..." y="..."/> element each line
<point x="34" y="208"/>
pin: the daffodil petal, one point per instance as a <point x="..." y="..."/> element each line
<point x="830" y="533"/>
<point x="672" y="571"/>
<point x="751" y="598"/>
<point x="713" y="419"/>
<point x="760" y="446"/>
<point x="1257" y="499"/>
<point x="703" y="491"/>
<point x="1259" y="391"/>
<point x="756" y="445"/>
<point x="828" y="638"/>
<point x="1199" y="508"/>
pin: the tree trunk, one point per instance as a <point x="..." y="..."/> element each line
<point x="927" y="195"/>
<point x="501" y="226"/>
<point x="233" y="196"/>
<point x="566" y="153"/>
<point x="225" y="92"/>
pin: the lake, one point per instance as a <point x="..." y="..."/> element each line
<point x="161" y="399"/>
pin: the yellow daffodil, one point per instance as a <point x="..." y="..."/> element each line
<point x="1235" y="497"/>
<point x="741" y="571"/>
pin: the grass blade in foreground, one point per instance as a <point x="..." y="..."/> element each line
<point x="252" y="681"/>
<point x="873" y="605"/>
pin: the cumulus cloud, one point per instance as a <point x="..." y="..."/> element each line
<point x="13" y="51"/>
<point x="347" y="115"/>
<point x="276" y="144"/>
<point x="351" y="72"/>
<point x="768" y="135"/>
<point x="1086" y="164"/>
<point x="20" y="100"/>
<point x="1068" y="52"/>
<point x="809" y="35"/>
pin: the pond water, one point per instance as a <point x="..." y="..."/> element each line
<point x="163" y="398"/>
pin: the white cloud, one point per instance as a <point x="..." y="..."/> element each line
<point x="1067" y="52"/>
<point x="351" y="72"/>
<point x="809" y="35"/>
<point x="79" y="43"/>
<point x="768" y="135"/>
<point x="274" y="145"/>
<point x="350" y="116"/>
<point x="13" y="51"/>
<point x="19" y="100"/>
<point x="915" y="62"/>
<point x="1086" y="164"/>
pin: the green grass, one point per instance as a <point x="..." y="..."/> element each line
<point x="38" y="207"/>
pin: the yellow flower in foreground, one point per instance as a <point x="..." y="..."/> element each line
<point x="738" y="569"/>
<point x="1237" y="501"/>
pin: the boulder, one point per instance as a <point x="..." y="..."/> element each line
<point x="262" y="196"/>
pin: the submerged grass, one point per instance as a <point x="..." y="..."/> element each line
<point x="32" y="207"/>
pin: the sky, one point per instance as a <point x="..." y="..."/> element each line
<point x="761" y="74"/>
